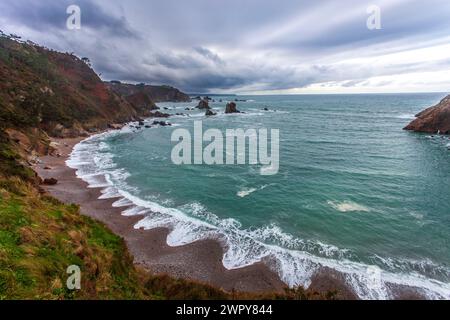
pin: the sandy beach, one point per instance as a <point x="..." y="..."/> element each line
<point x="201" y="261"/>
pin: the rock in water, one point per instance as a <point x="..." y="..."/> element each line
<point x="158" y="114"/>
<point x="231" y="108"/>
<point x="210" y="113"/>
<point x="162" y="123"/>
<point x="434" y="119"/>
<point x="203" y="104"/>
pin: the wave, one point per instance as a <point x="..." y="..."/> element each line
<point x="248" y="191"/>
<point x="407" y="116"/>
<point x="295" y="260"/>
<point x="347" y="206"/>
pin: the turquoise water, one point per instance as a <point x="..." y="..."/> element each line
<point x="354" y="191"/>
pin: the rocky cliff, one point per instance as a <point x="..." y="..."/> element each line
<point x="153" y="93"/>
<point x="434" y="119"/>
<point x="56" y="92"/>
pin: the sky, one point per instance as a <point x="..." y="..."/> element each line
<point x="250" y="46"/>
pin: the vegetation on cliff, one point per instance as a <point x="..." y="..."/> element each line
<point x="53" y="91"/>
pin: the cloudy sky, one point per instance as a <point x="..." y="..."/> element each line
<point x="250" y="46"/>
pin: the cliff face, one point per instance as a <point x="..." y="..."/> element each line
<point x="434" y="119"/>
<point x="154" y="93"/>
<point x="56" y="92"/>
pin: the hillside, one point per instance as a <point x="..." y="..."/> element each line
<point x="56" y="92"/>
<point x="434" y="119"/>
<point x="154" y="93"/>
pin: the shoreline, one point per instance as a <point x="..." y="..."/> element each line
<point x="198" y="261"/>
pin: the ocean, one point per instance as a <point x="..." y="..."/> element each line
<point x="354" y="192"/>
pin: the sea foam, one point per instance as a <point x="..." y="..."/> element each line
<point x="347" y="206"/>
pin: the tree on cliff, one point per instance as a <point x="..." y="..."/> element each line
<point x="87" y="61"/>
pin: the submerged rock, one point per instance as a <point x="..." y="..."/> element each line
<point x="434" y="119"/>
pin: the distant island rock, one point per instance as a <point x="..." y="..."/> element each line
<point x="434" y="119"/>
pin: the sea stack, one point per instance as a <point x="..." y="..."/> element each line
<point x="203" y="104"/>
<point x="231" y="108"/>
<point x="434" y="119"/>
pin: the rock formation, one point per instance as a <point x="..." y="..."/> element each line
<point x="158" y="114"/>
<point x="210" y="113"/>
<point x="203" y="104"/>
<point x="434" y="119"/>
<point x="231" y="108"/>
<point x="141" y="102"/>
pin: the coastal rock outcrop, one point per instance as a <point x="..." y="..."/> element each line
<point x="55" y="92"/>
<point x="231" y="108"/>
<point x="210" y="113"/>
<point x="434" y="119"/>
<point x="159" y="114"/>
<point x="203" y="104"/>
<point x="141" y="102"/>
<point x="115" y="126"/>
<point x="162" y="123"/>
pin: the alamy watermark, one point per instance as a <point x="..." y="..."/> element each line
<point x="229" y="147"/>
<point x="73" y="22"/>
<point x="374" y="19"/>
<point x="74" y="280"/>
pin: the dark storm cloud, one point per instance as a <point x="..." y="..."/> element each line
<point x="50" y="15"/>
<point x="253" y="45"/>
<point x="209" y="55"/>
